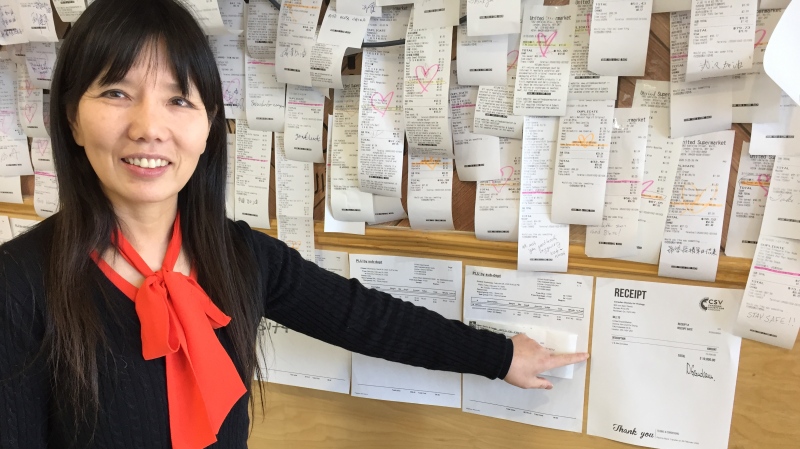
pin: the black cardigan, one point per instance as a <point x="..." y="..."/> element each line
<point x="133" y="397"/>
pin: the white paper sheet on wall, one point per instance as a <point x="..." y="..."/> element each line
<point x="583" y="83"/>
<point x="426" y="91"/>
<point x="620" y="32"/>
<point x="693" y="231"/>
<point x="477" y="155"/>
<point x="12" y="30"/>
<point x="11" y="189"/>
<point x="40" y="59"/>
<point x="294" y="198"/>
<point x="69" y="10"/>
<point x="616" y="236"/>
<point x="721" y="38"/>
<point x="348" y="203"/>
<point x="30" y="105"/>
<point x="45" y="193"/>
<point x="481" y="60"/>
<point x="42" y="154"/>
<point x="545" y="54"/>
<point x="497" y="200"/>
<point x="359" y="7"/>
<point x="430" y="193"/>
<point x="14" y="157"/>
<point x="518" y="298"/>
<point x="543" y="245"/>
<point x="781" y="138"/>
<point x="782" y="212"/>
<point x="297" y="25"/>
<point x="20" y="225"/>
<point x="433" y="284"/>
<point x="37" y="21"/>
<point x="671" y="5"/>
<point x="381" y="128"/>
<point x="696" y="107"/>
<point x="579" y="183"/>
<point x="331" y="224"/>
<point x="770" y="311"/>
<point x="660" y="166"/>
<point x="387" y="209"/>
<point x="305" y="110"/>
<point x="435" y="13"/>
<point x="262" y="29"/>
<point x="265" y="96"/>
<point x="229" y="53"/>
<point x="684" y="333"/>
<point x="493" y="18"/>
<point x="749" y="200"/>
<point x="754" y="93"/>
<point x="253" y="159"/>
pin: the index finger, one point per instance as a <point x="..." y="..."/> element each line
<point x="558" y="360"/>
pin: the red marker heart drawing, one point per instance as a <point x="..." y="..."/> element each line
<point x="513" y="63"/>
<point x="763" y="182"/>
<point x="28" y="87"/>
<point x="427" y="77"/>
<point x="42" y="146"/>
<point x="384" y="102"/>
<point x="505" y="177"/>
<point x="544" y="42"/>
<point x="29" y="110"/>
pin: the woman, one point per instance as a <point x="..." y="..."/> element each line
<point x="106" y="337"/>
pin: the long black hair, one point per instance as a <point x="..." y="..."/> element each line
<point x="102" y="46"/>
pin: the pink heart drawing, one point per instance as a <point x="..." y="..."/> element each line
<point x="544" y="42"/>
<point x="42" y="146"/>
<point x="513" y="63"/>
<point x="760" y="35"/>
<point x="30" y="110"/>
<point x="384" y="102"/>
<point x="505" y="177"/>
<point x="28" y="88"/>
<point x="231" y="91"/>
<point x="427" y="77"/>
<point x="588" y="23"/>
<point x="763" y="182"/>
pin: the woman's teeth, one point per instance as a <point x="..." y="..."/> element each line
<point x="146" y="163"/>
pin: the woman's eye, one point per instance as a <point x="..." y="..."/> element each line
<point x="180" y="101"/>
<point x="113" y="94"/>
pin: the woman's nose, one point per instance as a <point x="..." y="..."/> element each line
<point x="149" y="122"/>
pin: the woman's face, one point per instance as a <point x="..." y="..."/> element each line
<point x="142" y="137"/>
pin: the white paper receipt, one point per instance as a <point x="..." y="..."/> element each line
<point x="664" y="364"/>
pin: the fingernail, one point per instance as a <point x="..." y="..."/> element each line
<point x="549" y="387"/>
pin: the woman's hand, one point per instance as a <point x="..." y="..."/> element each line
<point x="530" y="359"/>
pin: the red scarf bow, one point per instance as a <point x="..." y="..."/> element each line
<point x="178" y="321"/>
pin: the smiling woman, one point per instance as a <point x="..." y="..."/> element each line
<point x="142" y="135"/>
<point x="129" y="318"/>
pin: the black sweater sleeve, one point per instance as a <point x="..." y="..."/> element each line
<point x="343" y="312"/>
<point x="24" y="382"/>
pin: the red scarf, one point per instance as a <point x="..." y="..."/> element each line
<point x="178" y="321"/>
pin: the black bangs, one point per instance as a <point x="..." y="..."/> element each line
<point x="111" y="35"/>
